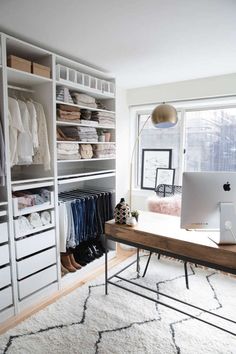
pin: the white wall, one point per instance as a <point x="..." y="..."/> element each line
<point x="198" y="88"/>
<point x="122" y="146"/>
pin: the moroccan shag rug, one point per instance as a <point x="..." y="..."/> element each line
<point x="86" y="321"/>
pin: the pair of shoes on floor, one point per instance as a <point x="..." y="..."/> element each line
<point x="88" y="251"/>
<point x="69" y="263"/>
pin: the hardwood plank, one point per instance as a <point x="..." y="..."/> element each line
<point x="163" y="232"/>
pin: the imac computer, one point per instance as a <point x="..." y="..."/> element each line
<point x="209" y="202"/>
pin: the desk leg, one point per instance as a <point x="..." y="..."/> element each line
<point x="138" y="263"/>
<point x="106" y="284"/>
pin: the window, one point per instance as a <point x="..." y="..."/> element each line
<point x="206" y="135"/>
<point x="155" y="138"/>
<point x="210" y="140"/>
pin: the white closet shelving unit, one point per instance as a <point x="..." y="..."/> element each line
<point x="30" y="260"/>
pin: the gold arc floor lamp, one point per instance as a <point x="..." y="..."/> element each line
<point x="163" y="116"/>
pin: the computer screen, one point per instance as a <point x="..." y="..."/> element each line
<point x="209" y="202"/>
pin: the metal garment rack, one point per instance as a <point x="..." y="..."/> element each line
<point x="108" y="280"/>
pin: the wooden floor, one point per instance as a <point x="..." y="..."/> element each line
<point x="121" y="256"/>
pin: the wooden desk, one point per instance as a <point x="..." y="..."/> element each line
<point x="162" y="234"/>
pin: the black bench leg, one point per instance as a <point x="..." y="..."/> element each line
<point x="186" y="274"/>
<point x="145" y="270"/>
<point x="159" y="256"/>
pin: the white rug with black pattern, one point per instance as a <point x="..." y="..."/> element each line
<point x="86" y="321"/>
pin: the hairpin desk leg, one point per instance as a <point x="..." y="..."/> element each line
<point x="106" y="284"/>
<point x="138" y="263"/>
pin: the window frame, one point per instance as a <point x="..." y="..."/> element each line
<point x="182" y="108"/>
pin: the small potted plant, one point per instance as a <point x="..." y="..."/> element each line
<point x="135" y="214"/>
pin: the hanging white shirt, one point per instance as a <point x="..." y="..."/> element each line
<point x="42" y="155"/>
<point x="15" y="126"/>
<point x="25" y="141"/>
<point x="33" y="124"/>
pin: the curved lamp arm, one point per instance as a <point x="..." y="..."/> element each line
<point x="131" y="162"/>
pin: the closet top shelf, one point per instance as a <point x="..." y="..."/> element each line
<point x="85" y="89"/>
<point x="61" y="122"/>
<point x="85" y="142"/>
<point x="23" y="78"/>
<point x="85" y="107"/>
<point x="84" y="160"/>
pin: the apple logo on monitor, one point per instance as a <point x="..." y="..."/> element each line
<point x="226" y="187"/>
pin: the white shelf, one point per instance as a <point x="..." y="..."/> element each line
<point x="24" y="78"/>
<point x="85" y="142"/>
<point x="85" y="178"/>
<point x="85" y="89"/>
<point x="82" y="174"/>
<point x="3" y="203"/>
<point x="61" y="122"/>
<point x="34" y="209"/>
<point x="84" y="160"/>
<point x="3" y="212"/>
<point x="22" y="187"/>
<point x="36" y="230"/>
<point x="31" y="180"/>
<point x="85" y="107"/>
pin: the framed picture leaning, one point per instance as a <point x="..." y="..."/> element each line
<point x="151" y="160"/>
<point x="165" y="176"/>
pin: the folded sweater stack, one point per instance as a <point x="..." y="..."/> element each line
<point x="68" y="113"/>
<point x="104" y="150"/>
<point x="84" y="134"/>
<point x="63" y="94"/>
<point x="83" y="99"/>
<point x="68" y="151"/>
<point x="86" y="151"/>
<point x="104" y="118"/>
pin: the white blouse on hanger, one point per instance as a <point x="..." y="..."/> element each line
<point x="33" y="124"/>
<point x="15" y="127"/>
<point x="25" y="142"/>
<point x="42" y="155"/>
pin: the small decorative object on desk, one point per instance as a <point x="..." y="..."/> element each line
<point x="135" y="214"/>
<point x="122" y="212"/>
<point x="131" y="221"/>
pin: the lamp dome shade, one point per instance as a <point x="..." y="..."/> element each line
<point x="164" y="116"/>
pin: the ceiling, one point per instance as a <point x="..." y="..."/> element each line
<point x="143" y="42"/>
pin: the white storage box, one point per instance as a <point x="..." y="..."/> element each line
<point x="37" y="281"/>
<point x="5" y="276"/>
<point x="35" y="243"/>
<point x="20" y="233"/>
<point x="4" y="255"/>
<point x="5" y="297"/>
<point x="87" y="79"/>
<point x="72" y="75"/>
<point x="93" y="82"/>
<point x="3" y="232"/>
<point x="35" y="208"/>
<point x="80" y="78"/>
<point x="35" y="263"/>
<point x="61" y="72"/>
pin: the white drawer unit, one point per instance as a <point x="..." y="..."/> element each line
<point x="33" y="209"/>
<point x="5" y="276"/>
<point x="37" y="281"/>
<point x="5" y="297"/>
<point x="35" y="263"/>
<point x="4" y="255"/>
<point x="35" y="243"/>
<point x="3" y="232"/>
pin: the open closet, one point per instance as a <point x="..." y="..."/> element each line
<point x="57" y="171"/>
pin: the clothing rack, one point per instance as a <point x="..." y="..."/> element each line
<point x="18" y="88"/>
